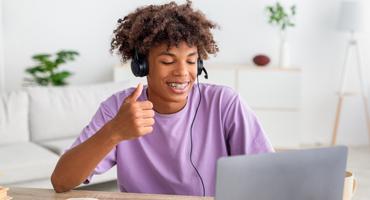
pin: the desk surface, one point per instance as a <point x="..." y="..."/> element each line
<point x="42" y="194"/>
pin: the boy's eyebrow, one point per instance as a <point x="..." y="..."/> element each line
<point x="193" y="53"/>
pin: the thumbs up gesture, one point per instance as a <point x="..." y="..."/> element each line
<point x="134" y="118"/>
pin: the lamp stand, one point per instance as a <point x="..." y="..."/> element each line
<point x="352" y="44"/>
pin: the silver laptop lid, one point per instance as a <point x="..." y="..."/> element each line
<point x="313" y="174"/>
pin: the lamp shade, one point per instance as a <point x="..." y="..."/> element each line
<point x="350" y="16"/>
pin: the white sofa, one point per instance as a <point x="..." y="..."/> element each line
<point x="37" y="124"/>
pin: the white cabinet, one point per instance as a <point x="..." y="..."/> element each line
<point x="273" y="93"/>
<point x="270" y="88"/>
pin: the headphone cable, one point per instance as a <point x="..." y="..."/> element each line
<point x="191" y="139"/>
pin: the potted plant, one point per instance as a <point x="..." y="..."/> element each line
<point x="46" y="73"/>
<point x="283" y="19"/>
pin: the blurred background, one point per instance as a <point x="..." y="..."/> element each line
<point x="309" y="80"/>
<point x="316" y="47"/>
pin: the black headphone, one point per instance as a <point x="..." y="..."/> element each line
<point x="140" y="68"/>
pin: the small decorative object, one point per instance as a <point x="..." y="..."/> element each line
<point x="261" y="60"/>
<point x="280" y="17"/>
<point x="46" y="72"/>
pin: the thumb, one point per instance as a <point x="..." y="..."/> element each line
<point x="135" y="94"/>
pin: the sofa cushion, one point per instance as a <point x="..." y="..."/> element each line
<point x="58" y="146"/>
<point x="25" y="161"/>
<point x="13" y="117"/>
<point x="62" y="112"/>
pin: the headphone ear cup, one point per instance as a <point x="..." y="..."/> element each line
<point x="144" y="70"/>
<point x="139" y="67"/>
<point x="135" y="67"/>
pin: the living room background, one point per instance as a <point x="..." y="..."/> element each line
<point x="34" y="26"/>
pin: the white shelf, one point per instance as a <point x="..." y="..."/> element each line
<point x="252" y="67"/>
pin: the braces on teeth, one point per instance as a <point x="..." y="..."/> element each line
<point x="177" y="85"/>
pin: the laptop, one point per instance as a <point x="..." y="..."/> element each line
<point x="312" y="174"/>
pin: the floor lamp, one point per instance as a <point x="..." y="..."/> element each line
<point x="350" y="21"/>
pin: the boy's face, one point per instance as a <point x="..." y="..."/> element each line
<point x="172" y="72"/>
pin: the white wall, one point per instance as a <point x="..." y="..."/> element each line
<point x="33" y="26"/>
<point x="2" y="75"/>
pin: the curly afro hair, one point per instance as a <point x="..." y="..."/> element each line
<point x="169" y="23"/>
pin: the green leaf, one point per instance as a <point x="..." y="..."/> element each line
<point x="293" y="9"/>
<point x="58" y="78"/>
<point x="33" y="70"/>
<point x="270" y="9"/>
<point x="283" y="26"/>
<point x="41" y="57"/>
<point x="63" y="56"/>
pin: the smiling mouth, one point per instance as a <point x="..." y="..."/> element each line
<point x="178" y="85"/>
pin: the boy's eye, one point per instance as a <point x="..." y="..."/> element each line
<point x="167" y="63"/>
<point x="172" y="62"/>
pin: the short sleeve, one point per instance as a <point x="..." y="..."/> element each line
<point x="244" y="133"/>
<point x="101" y="117"/>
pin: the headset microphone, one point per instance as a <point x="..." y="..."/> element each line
<point x="200" y="68"/>
<point x="205" y="73"/>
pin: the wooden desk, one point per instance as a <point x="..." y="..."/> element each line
<point x="46" y="194"/>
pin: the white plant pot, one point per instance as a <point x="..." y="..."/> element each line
<point x="284" y="51"/>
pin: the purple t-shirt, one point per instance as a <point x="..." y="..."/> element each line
<point x="159" y="162"/>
